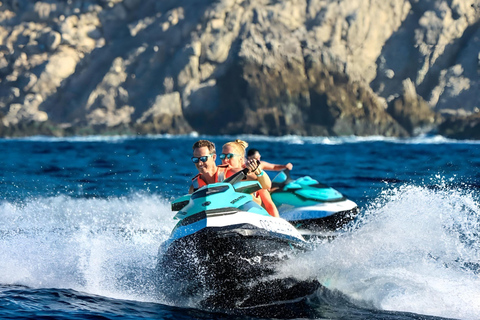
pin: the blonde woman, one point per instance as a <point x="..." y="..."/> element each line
<point x="233" y="155"/>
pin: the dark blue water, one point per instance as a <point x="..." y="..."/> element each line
<point x="81" y="221"/>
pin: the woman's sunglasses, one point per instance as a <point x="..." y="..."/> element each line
<point x="228" y="156"/>
<point x="203" y="159"/>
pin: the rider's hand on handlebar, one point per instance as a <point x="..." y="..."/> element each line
<point x="252" y="165"/>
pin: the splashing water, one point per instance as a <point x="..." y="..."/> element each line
<point x="415" y="249"/>
<point x="100" y="246"/>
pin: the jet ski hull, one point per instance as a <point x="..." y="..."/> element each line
<point x="321" y="216"/>
<point x="219" y="261"/>
<point x="223" y="244"/>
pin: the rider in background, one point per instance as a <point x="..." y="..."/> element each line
<point x="255" y="154"/>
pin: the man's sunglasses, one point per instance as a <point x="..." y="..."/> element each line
<point x="203" y="158"/>
<point x="228" y="156"/>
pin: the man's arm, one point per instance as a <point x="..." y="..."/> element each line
<point x="275" y="167"/>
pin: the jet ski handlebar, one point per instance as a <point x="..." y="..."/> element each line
<point x="181" y="202"/>
<point x="237" y="177"/>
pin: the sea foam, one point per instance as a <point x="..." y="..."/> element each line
<point x="414" y="249"/>
<point x="100" y="246"/>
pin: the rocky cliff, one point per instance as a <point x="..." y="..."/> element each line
<point x="307" y="67"/>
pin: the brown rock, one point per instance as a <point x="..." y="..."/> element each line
<point x="411" y="111"/>
<point x="461" y="127"/>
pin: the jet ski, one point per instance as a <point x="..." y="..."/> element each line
<point x="311" y="206"/>
<point x="223" y="245"/>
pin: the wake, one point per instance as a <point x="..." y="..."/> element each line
<point x="415" y="249"/>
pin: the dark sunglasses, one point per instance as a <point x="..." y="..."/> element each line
<point x="228" y="156"/>
<point x="203" y="158"/>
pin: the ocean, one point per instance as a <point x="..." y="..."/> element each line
<point x="82" y="218"/>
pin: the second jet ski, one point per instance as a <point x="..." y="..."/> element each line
<point x="311" y="205"/>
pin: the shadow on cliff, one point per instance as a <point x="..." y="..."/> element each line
<point x="452" y="56"/>
<point x="401" y="56"/>
<point x="227" y="100"/>
<point x="148" y="58"/>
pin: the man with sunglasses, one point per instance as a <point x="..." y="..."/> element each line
<point x="204" y="156"/>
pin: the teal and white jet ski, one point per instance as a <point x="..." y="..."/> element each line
<point x="310" y="205"/>
<point x="222" y="242"/>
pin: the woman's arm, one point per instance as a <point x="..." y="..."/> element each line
<point x="258" y="174"/>
<point x="262" y="178"/>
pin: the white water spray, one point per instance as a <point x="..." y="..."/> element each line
<point x="415" y="249"/>
<point x="100" y="246"/>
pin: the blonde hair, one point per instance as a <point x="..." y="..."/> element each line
<point x="239" y="145"/>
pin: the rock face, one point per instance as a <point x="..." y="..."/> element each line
<point x="412" y="112"/>
<point x="316" y="67"/>
<point x="461" y="127"/>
